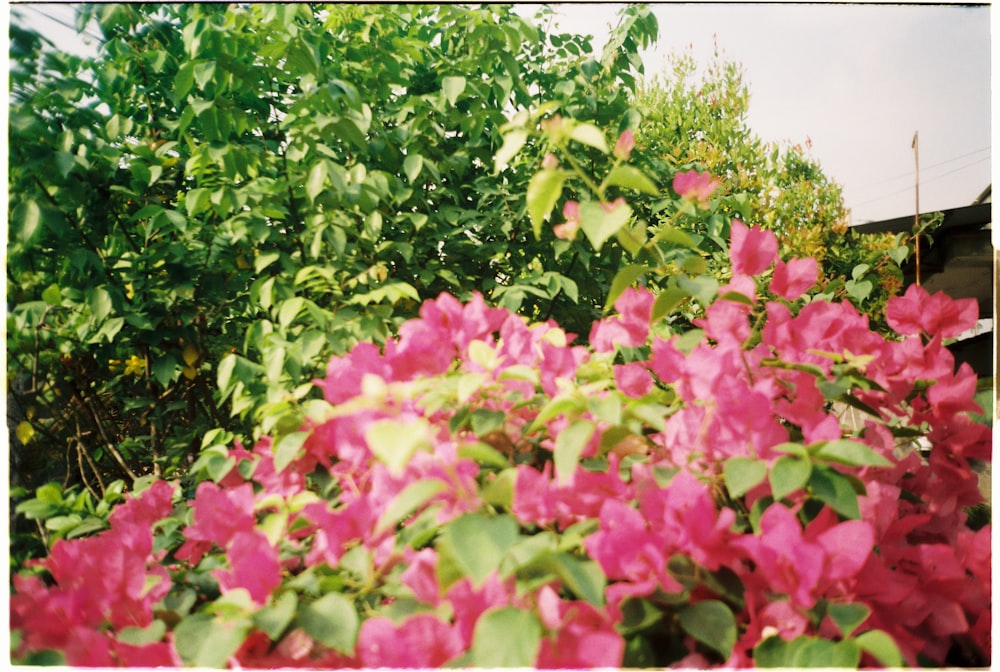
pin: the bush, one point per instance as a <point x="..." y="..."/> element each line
<point x="482" y="492"/>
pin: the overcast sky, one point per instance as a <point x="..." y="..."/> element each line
<point x="857" y="80"/>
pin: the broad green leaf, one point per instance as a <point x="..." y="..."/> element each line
<point x="796" y="449"/>
<point x="202" y="640"/>
<point x="513" y="141"/>
<point x="274" y="618"/>
<point x="412" y="497"/>
<point x="316" y="180"/>
<point x="848" y="617"/>
<point x="136" y="636"/>
<point x="506" y="637"/>
<point x="544" y="190"/>
<point x="704" y="288"/>
<point x="584" y="577"/>
<point x="788" y="474"/>
<point x="710" y="622"/>
<point x="453" y="88"/>
<point x="483" y="454"/>
<point x="835" y="490"/>
<point x="591" y="135"/>
<point x="183" y="81"/>
<point x="265" y="259"/>
<point x="826" y="654"/>
<point x="26" y="217"/>
<point x="394" y="442"/>
<point x="742" y="474"/>
<point x="666" y="301"/>
<point x="475" y="544"/>
<point x="630" y="177"/>
<point x="287" y="449"/>
<point x="412" y="165"/>
<point x="599" y="225"/>
<point x="99" y="301"/>
<point x="880" y="645"/>
<point x="851" y="453"/>
<point x="569" y="446"/>
<point x="860" y="290"/>
<point x="333" y="621"/>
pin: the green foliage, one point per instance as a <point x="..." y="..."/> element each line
<point x="228" y="195"/>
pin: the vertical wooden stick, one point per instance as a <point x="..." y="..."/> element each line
<point x="916" y="212"/>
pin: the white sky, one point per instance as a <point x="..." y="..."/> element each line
<point x="857" y="80"/>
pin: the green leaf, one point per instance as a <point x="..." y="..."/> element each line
<point x="584" y="577"/>
<point x="710" y="622"/>
<point x="544" y="189"/>
<point x="333" y="621"/>
<point x="52" y="295"/>
<point x="316" y="180"/>
<point x="880" y="645"/>
<point x="772" y="652"/>
<point x="394" y="442"/>
<point x="412" y="497"/>
<point x="412" y="165"/>
<point x="136" y="636"/>
<point x="742" y="474"/>
<point x="513" y="141"/>
<point x="506" y="637"/>
<point x="835" y="490"/>
<point x="569" y="446"/>
<point x="275" y="618"/>
<point x="666" y="301"/>
<point x="475" y="544"/>
<point x="599" y="225"/>
<point x="851" y="453"/>
<point x="453" y="88"/>
<point x="859" y="290"/>
<point x="183" y="81"/>
<point x="788" y="474"/>
<point x="483" y="454"/>
<point x="630" y="177"/>
<point x="202" y="640"/>
<point x="287" y="449"/>
<point x="826" y="654"/>
<point x="591" y="135"/>
<point x="848" y="617"/>
<point x="704" y="288"/>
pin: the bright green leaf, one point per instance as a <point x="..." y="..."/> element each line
<point x="569" y="446"/>
<point x="506" y="637"/>
<point x="835" y="490"/>
<point x="623" y="280"/>
<point x="412" y="165"/>
<point x="453" y="88"/>
<point x="848" y="617"/>
<point x="476" y="543"/>
<point x="412" y="497"/>
<point x="332" y="621"/>
<point x="394" y="442"/>
<point x="742" y="474"/>
<point x="880" y="645"/>
<point x="202" y="640"/>
<point x="710" y="622"/>
<point x="599" y="225"/>
<point x="287" y="449"/>
<point x="788" y="474"/>
<point x="630" y="177"/>
<point x="851" y="453"/>
<point x="544" y="189"/>
<point x="591" y="135"/>
<point x="513" y="141"/>
<point x="274" y="618"/>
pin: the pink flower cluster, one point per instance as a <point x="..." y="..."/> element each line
<point x="644" y="495"/>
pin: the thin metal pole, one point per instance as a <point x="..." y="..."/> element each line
<point x="916" y="212"/>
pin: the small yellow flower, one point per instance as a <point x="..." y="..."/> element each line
<point x="134" y="366"/>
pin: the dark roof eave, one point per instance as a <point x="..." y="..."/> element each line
<point x="969" y="215"/>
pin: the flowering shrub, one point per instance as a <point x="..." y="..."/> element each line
<point x="482" y="492"/>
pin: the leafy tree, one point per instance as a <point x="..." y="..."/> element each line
<point x="227" y="195"/>
<point x="701" y="122"/>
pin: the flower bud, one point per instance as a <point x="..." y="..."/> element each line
<point x="623" y="148"/>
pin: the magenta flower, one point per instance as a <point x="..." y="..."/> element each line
<point x="421" y="641"/>
<point x="630" y="327"/>
<point x="794" y="279"/>
<point x="624" y="146"/>
<point x="751" y="250"/>
<point x="567" y="230"/>
<point x="254" y="564"/>
<point x="695" y="186"/>
<point x="917" y="311"/>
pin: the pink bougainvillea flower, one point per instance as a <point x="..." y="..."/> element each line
<point x="583" y="636"/>
<point x="633" y="379"/>
<point x="794" y="278"/>
<point x="695" y="186"/>
<point x="567" y="230"/>
<point x="917" y="311"/>
<point x="421" y="641"/>
<point x="726" y="322"/>
<point x="630" y="328"/>
<point x="218" y="515"/>
<point x="740" y="284"/>
<point x="624" y="145"/>
<point x="751" y="251"/>
<point x="254" y="564"/>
